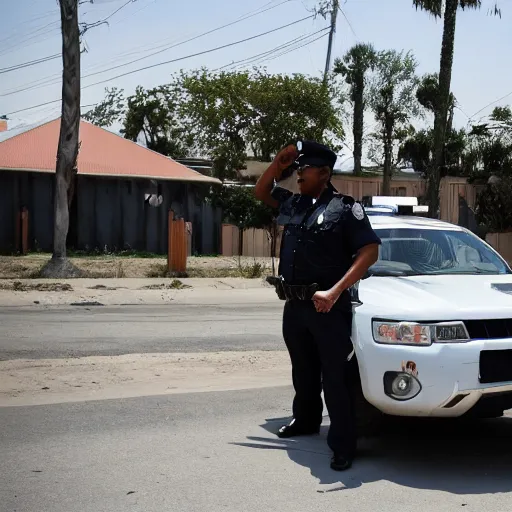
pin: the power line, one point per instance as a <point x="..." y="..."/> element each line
<point x="293" y="49"/>
<point x="85" y="26"/>
<point x="174" y="60"/>
<point x="88" y="26"/>
<point x="31" y="108"/>
<point x="34" y="35"/>
<point x="200" y="53"/>
<point x="248" y="60"/>
<point x="348" y="22"/>
<point x="184" y="42"/>
<point x="265" y="56"/>
<point x="134" y="13"/>
<point x="52" y="81"/>
<point x="491" y="104"/>
<point x="29" y="63"/>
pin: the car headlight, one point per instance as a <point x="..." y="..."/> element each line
<point x="414" y="333"/>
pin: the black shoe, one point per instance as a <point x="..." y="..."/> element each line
<point x="340" y="463"/>
<point x="294" y="429"/>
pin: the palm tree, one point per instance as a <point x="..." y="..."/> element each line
<point x="435" y="8"/>
<point x="353" y="67"/>
<point x="392" y="99"/>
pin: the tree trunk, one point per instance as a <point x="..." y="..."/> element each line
<point x="67" y="152"/>
<point x="388" y="158"/>
<point x="441" y="115"/>
<point x="358" y="124"/>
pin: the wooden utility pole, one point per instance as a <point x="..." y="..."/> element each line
<point x="67" y="152"/>
<point x="334" y="16"/>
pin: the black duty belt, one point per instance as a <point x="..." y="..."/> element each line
<point x="292" y="292"/>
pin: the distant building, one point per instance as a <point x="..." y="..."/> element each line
<point x="123" y="192"/>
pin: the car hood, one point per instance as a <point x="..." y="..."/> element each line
<point x="444" y="297"/>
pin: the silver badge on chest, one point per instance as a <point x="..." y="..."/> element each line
<point x="357" y="211"/>
<point x="320" y="218"/>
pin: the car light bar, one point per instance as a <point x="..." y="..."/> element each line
<point x="393" y="205"/>
<point x="412" y="210"/>
<point x="393" y="201"/>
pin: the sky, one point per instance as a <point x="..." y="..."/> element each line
<point x="30" y="30"/>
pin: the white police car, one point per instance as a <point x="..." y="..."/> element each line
<point x="433" y="330"/>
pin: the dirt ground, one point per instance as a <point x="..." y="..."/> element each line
<point x="26" y="267"/>
<point x="46" y="381"/>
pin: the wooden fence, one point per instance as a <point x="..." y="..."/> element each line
<point x="255" y="243"/>
<point x="360" y="187"/>
<point x="501" y="242"/>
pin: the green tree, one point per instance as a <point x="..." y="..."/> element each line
<point x="109" y="111"/>
<point x="435" y="8"/>
<point x="490" y="149"/>
<point x="418" y="149"/>
<point x="287" y="108"/>
<point x="428" y="95"/>
<point x="235" y="113"/>
<point x="218" y="107"/>
<point x="393" y="102"/>
<point x="354" y="67"/>
<point x="154" y="114"/>
<point x="157" y="115"/>
<point x="494" y="206"/>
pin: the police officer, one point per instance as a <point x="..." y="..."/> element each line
<point x="327" y="246"/>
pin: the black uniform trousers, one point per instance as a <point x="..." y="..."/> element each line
<point x="319" y="344"/>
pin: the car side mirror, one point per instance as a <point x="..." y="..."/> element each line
<point x="367" y="274"/>
<point x="354" y="295"/>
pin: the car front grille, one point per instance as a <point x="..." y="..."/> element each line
<point x="489" y="329"/>
<point x="495" y="366"/>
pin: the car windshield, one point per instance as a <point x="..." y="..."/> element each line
<point x="416" y="251"/>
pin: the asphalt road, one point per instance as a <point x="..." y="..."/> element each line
<point x="215" y="452"/>
<point x="65" y="331"/>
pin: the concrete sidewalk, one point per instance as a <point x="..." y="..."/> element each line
<point x="126" y="291"/>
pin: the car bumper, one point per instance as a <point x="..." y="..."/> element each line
<point x="448" y="375"/>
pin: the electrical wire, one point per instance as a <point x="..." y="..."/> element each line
<point x="173" y="60"/>
<point x="54" y="79"/>
<point x="348" y="22"/>
<point x="264" y="56"/>
<point x="199" y="53"/>
<point x="33" y="36"/>
<point x="183" y="42"/>
<point x="29" y="63"/>
<point x="248" y="60"/>
<point x="291" y="49"/>
<point x="88" y="26"/>
<point x="491" y="104"/>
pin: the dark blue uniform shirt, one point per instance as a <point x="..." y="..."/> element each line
<point x="321" y="239"/>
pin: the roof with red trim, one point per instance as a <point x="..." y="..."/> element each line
<point x="102" y="153"/>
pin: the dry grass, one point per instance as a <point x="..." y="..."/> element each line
<point x="175" y="284"/>
<point x="18" y="286"/>
<point x="28" y="267"/>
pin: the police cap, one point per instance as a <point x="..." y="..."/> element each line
<point x="315" y="154"/>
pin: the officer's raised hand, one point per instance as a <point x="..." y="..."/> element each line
<point x="282" y="161"/>
<point x="286" y="157"/>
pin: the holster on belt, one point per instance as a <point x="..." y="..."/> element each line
<point x="292" y="292"/>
